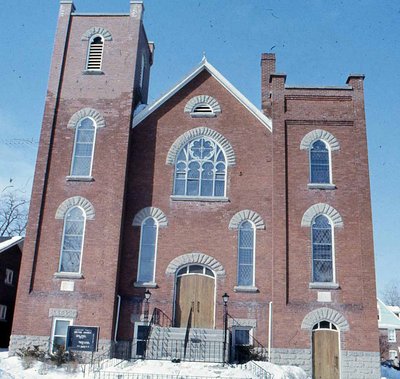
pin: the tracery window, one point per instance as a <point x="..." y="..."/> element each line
<point x="200" y="169"/>
<point x="246" y="242"/>
<point x="148" y="248"/>
<point x="83" y="148"/>
<point x="322" y="251"/>
<point x="72" y="240"/>
<point x="320" y="163"/>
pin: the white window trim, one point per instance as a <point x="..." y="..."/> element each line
<point x="3" y="312"/>
<point x="9" y="277"/>
<point x="252" y="287"/>
<point x="79" y="273"/>
<point x="312" y="184"/>
<point x="89" y="176"/>
<point x="53" y="329"/>
<point x="391" y="335"/>
<point x="199" y="197"/>
<point x="152" y="283"/>
<point x="142" y="70"/>
<point x="88" y="52"/>
<point x="333" y="283"/>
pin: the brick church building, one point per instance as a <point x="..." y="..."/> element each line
<point x="198" y="195"/>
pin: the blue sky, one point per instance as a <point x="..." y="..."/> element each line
<point x="317" y="42"/>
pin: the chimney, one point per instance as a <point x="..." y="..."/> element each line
<point x="267" y="68"/>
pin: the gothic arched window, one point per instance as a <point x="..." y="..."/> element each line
<point x="95" y="53"/>
<point x="322" y="250"/>
<point x="246" y="244"/>
<point x="320" y="171"/>
<point x="82" y="157"/>
<point x="200" y="169"/>
<point x="148" y="249"/>
<point x="72" y="240"/>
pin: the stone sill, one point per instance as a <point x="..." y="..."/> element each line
<point x="323" y="285"/>
<point x="68" y="275"/>
<point x="72" y="178"/>
<point x="202" y="115"/>
<point x="92" y="72"/>
<point x="200" y="198"/>
<point x="145" y="285"/>
<point x="249" y="289"/>
<point x="324" y="186"/>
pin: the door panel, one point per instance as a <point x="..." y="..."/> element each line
<point x="196" y="291"/>
<point x="326" y="354"/>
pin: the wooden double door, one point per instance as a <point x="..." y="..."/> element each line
<point x="326" y="354"/>
<point x="195" y="301"/>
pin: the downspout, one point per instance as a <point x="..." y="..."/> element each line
<point x="269" y="331"/>
<point x="117" y="318"/>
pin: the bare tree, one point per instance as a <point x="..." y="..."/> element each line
<point x="384" y="347"/>
<point x="391" y="294"/>
<point x="13" y="213"/>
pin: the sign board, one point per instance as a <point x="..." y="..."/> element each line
<point x="83" y="338"/>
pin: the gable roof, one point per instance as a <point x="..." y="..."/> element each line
<point x="204" y="65"/>
<point x="5" y="245"/>
<point x="387" y="319"/>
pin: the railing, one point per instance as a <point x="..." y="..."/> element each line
<point x="253" y="351"/>
<point x="132" y="375"/>
<point x="195" y="349"/>
<point x="160" y="318"/>
<point x="257" y="370"/>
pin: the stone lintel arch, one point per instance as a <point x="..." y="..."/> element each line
<point x="202" y="99"/>
<point x="325" y="209"/>
<point x="80" y="201"/>
<point x="86" y="112"/>
<point x="199" y="132"/>
<point x="195" y="257"/>
<point x="96" y="30"/>
<point x="247" y="214"/>
<point x="325" y="314"/>
<point x="156" y="213"/>
<point x="317" y="134"/>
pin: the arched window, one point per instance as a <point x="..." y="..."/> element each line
<point x="246" y="242"/>
<point x="83" y="148"/>
<point x="320" y="171"/>
<point x="322" y="250"/>
<point x="148" y="248"/>
<point x="95" y="53"/>
<point x="200" y="169"/>
<point x="72" y="240"/>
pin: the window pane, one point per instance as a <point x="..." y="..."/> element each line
<point x="246" y="254"/>
<point x="83" y="149"/>
<point x="147" y="250"/>
<point x="322" y="249"/>
<point x="196" y="269"/>
<point x="61" y="328"/>
<point x="319" y="157"/>
<point x="242" y="337"/>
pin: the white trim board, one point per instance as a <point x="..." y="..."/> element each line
<point x="204" y="65"/>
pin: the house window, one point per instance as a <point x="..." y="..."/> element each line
<point x="242" y="336"/>
<point x="319" y="163"/>
<point x="3" y="312"/>
<point x="148" y="248"/>
<point x="72" y="240"/>
<point x="83" y="148"/>
<point x="391" y="335"/>
<point x="246" y="242"/>
<point x="322" y="254"/>
<point x="95" y="53"/>
<point x="200" y="169"/>
<point x="59" y="335"/>
<point x="9" y="276"/>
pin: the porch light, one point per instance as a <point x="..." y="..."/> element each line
<point x="147" y="295"/>
<point x="225" y="298"/>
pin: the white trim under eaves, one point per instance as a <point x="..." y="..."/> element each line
<point x="204" y="65"/>
<point x="5" y="245"/>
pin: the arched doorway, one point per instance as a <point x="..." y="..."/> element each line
<point x="325" y="351"/>
<point x="194" y="297"/>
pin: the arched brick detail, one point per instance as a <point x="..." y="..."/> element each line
<point x="202" y="99"/>
<point x="86" y="112"/>
<point x="198" y="132"/>
<point x="325" y="209"/>
<point x="97" y="30"/>
<point x="195" y="257"/>
<point x="316" y="134"/>
<point x="325" y="314"/>
<point x="156" y="213"/>
<point x="247" y="215"/>
<point x="80" y="201"/>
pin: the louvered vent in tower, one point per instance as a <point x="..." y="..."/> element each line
<point x="95" y="54"/>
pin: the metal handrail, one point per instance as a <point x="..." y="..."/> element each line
<point x="258" y="371"/>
